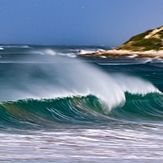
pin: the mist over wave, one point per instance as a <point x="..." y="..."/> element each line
<point x="54" y="77"/>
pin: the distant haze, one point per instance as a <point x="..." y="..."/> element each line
<point x="76" y="22"/>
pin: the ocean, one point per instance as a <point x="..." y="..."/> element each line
<point x="59" y="106"/>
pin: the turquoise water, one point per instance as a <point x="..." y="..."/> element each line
<point x="57" y="106"/>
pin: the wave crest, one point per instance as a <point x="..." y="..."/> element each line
<point x="64" y="77"/>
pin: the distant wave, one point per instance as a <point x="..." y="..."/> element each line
<point x="15" y="46"/>
<point x="68" y="53"/>
<point x="53" y="53"/>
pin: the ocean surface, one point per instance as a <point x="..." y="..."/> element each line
<point x="59" y="106"/>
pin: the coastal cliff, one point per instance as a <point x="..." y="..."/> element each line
<point x="146" y="44"/>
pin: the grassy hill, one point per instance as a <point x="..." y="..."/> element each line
<point x="149" y="40"/>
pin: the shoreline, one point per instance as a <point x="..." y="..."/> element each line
<point x="127" y="53"/>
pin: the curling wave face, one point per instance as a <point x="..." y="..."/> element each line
<point x="79" y="110"/>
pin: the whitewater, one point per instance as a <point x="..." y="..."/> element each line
<point x="59" y="106"/>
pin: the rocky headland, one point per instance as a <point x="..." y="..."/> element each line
<point x="146" y="44"/>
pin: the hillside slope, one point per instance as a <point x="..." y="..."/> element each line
<point x="149" y="40"/>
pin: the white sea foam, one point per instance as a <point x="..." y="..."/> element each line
<point x="87" y="51"/>
<point x="148" y="60"/>
<point x="133" y="56"/>
<point x="103" y="56"/>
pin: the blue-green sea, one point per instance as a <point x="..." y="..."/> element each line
<point x="57" y="105"/>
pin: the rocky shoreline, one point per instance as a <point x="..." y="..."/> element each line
<point x="124" y="53"/>
<point x="148" y="44"/>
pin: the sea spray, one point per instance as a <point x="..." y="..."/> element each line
<point x="61" y="77"/>
<point x="56" y="77"/>
<point x="134" y="85"/>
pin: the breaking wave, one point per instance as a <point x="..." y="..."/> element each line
<point x="60" y="90"/>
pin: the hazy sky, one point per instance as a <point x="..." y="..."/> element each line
<point x="77" y="22"/>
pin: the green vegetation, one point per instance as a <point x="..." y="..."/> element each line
<point x="161" y="33"/>
<point x="142" y="43"/>
<point x="149" y="44"/>
<point x="139" y="36"/>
